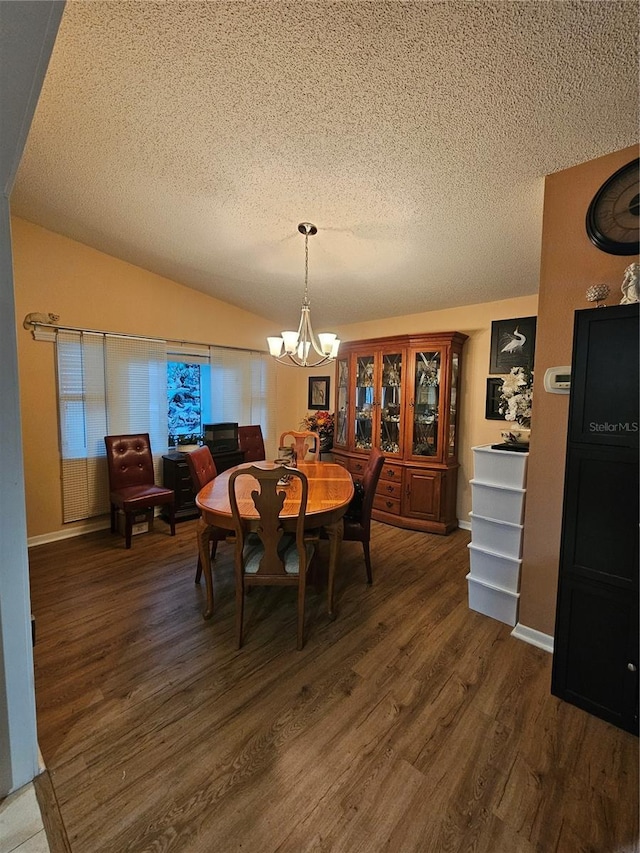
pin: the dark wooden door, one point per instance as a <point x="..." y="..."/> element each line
<point x="595" y="662"/>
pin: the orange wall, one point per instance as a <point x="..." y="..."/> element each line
<point x="91" y="290"/>
<point x="570" y="263"/>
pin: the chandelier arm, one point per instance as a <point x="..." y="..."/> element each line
<point x="308" y="335"/>
<point x="290" y="360"/>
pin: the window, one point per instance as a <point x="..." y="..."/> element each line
<point x="243" y="389"/>
<point x="112" y="385"/>
<point x="184" y="399"/>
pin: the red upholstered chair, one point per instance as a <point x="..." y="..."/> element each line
<point x="132" y="485"/>
<point x="357" y="519"/>
<point x="304" y="442"/>
<point x="250" y="441"/>
<point x="203" y="470"/>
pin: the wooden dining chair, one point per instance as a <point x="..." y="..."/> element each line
<point x="305" y="442"/>
<point x="132" y="485"/>
<point x="251" y="442"/>
<point x="357" y="519"/>
<point x="202" y="469"/>
<point x="266" y="555"/>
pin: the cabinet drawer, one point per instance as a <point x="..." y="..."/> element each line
<point x="388" y="489"/>
<point x="357" y="466"/>
<point x="392" y="473"/>
<point x="185" y="494"/>
<point x="340" y="460"/>
<point x="387" y="504"/>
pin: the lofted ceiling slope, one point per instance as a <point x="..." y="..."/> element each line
<point x="191" y="138"/>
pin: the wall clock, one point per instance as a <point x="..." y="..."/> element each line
<point x="613" y="218"/>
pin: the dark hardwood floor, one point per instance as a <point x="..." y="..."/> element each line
<point x="409" y="724"/>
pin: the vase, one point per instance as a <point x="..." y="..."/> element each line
<point x="517" y="436"/>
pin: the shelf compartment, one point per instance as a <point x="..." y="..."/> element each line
<point x="499" y="467"/>
<point x="499" y="537"/>
<point x="497" y="502"/>
<point x="493" y="601"/>
<point x="494" y="569"/>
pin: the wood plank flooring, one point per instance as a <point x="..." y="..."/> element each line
<point x="409" y="724"/>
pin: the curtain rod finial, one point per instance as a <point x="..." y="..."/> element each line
<point x="35" y="317"/>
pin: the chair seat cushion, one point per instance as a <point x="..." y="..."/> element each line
<point x="132" y="498"/>
<point x="253" y="551"/>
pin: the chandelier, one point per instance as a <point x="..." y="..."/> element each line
<point x="295" y="347"/>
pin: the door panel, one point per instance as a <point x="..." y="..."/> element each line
<point x="422" y="492"/>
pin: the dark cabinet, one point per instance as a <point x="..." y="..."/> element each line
<point x="595" y="664"/>
<point x="175" y="475"/>
<point x="227" y="459"/>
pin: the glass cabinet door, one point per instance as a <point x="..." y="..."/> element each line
<point x="364" y="402"/>
<point x="453" y="403"/>
<point x="340" y="432"/>
<point x="390" y="403"/>
<point x="426" y="404"/>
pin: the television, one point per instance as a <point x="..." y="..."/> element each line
<point x="221" y="438"/>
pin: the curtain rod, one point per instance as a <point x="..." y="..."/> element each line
<point x="57" y="328"/>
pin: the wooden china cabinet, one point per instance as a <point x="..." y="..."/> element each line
<point x="401" y="394"/>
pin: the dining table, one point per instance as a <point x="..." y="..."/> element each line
<point x="330" y="489"/>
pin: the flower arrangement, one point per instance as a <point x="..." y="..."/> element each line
<point x="516" y="397"/>
<point x="322" y="423"/>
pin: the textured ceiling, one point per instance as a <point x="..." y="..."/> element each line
<point x="191" y="138"/>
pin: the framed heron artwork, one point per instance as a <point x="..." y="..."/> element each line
<point x="513" y="344"/>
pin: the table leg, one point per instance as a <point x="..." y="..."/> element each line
<point x="204" y="549"/>
<point x="334" y="535"/>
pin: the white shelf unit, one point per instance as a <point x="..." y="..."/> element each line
<point x="498" y="491"/>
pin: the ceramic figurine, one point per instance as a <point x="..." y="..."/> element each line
<point x="630" y="285"/>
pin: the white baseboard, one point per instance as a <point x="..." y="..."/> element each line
<point x="465" y="525"/>
<point x="533" y="637"/>
<point x="78" y="530"/>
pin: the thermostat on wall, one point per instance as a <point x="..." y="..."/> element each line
<point x="557" y="380"/>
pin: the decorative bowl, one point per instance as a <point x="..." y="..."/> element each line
<point x="516" y="436"/>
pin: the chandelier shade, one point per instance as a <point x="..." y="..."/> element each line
<point x="303" y="348"/>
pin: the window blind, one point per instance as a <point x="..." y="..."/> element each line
<point x="243" y="389"/>
<point x="82" y="421"/>
<point x="107" y="385"/>
<point x="112" y="385"/>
